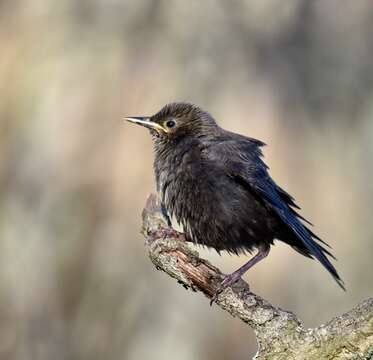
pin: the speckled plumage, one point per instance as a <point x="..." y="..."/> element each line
<point x="215" y="183"/>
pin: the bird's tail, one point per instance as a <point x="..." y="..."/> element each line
<point x="306" y="243"/>
<point x="303" y="239"/>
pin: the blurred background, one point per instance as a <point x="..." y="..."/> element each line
<point x="75" y="279"/>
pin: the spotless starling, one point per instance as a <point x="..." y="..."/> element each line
<point x="216" y="185"/>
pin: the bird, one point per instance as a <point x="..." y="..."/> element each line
<point x="216" y="185"/>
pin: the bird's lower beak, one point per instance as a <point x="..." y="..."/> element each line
<point x="145" y="121"/>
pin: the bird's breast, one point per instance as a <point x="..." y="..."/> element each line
<point x="213" y="209"/>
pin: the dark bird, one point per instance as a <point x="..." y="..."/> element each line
<point x="216" y="185"/>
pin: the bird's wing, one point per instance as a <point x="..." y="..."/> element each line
<point x="242" y="160"/>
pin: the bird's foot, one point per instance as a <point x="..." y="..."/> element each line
<point x="168" y="232"/>
<point x="229" y="280"/>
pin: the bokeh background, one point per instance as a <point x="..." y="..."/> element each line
<point x="75" y="279"/>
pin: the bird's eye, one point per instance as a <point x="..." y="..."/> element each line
<point x="170" y="124"/>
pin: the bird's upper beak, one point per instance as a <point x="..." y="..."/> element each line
<point x="145" y="121"/>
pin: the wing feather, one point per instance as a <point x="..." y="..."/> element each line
<point x="242" y="158"/>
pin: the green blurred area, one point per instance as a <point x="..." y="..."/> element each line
<point x="75" y="280"/>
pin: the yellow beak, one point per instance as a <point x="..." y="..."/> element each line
<point x="145" y="121"/>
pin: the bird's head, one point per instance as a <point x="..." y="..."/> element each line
<point x="177" y="120"/>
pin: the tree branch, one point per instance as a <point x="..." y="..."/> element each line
<point x="280" y="334"/>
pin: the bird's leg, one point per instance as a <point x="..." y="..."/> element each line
<point x="165" y="214"/>
<point x="168" y="232"/>
<point x="263" y="251"/>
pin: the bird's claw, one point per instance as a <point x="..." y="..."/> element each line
<point x="228" y="281"/>
<point x="168" y="232"/>
<point x="174" y="233"/>
<point x="214" y="298"/>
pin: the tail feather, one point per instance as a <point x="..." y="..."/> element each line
<point x="291" y="217"/>
<point x="316" y="250"/>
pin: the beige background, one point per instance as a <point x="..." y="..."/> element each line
<point x="75" y="280"/>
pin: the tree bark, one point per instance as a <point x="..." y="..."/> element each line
<point x="280" y="334"/>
